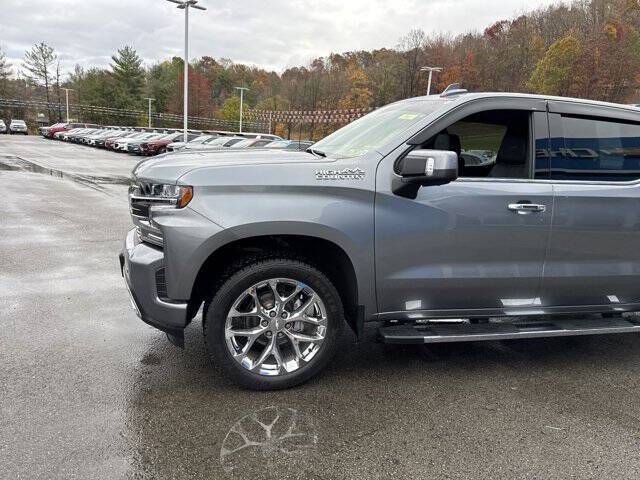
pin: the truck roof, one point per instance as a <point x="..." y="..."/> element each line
<point x="463" y="97"/>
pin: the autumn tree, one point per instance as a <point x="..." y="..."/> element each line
<point x="411" y="46"/>
<point x="359" y="95"/>
<point x="230" y="110"/>
<point x="199" y="95"/>
<point x="552" y="75"/>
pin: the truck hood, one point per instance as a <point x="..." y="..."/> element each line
<point x="170" y="167"/>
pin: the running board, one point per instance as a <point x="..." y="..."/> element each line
<point x="464" y="332"/>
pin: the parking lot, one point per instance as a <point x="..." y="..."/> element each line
<point x="89" y="391"/>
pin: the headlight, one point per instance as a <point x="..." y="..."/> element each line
<point x="160" y="195"/>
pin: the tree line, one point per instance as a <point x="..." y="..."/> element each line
<point x="587" y="49"/>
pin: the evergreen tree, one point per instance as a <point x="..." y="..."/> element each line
<point x="129" y="78"/>
<point x="5" y="73"/>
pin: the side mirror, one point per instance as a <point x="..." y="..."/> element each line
<point x="420" y="168"/>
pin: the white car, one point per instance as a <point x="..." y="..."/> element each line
<point x="199" y="140"/>
<point x="122" y="143"/>
<point x="18" y="126"/>
<point x="3" y="127"/>
<point x="215" y="144"/>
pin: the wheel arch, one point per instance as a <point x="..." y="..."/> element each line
<point x="324" y="254"/>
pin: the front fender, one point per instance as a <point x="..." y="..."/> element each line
<point x="360" y="255"/>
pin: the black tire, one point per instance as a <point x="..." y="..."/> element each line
<point x="162" y="150"/>
<point x="215" y="312"/>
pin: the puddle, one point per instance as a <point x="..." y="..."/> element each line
<point x="276" y="439"/>
<point x="17" y="164"/>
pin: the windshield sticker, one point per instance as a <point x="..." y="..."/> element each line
<point x="408" y="116"/>
<point x="344" y="174"/>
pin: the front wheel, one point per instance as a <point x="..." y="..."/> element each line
<point x="273" y="324"/>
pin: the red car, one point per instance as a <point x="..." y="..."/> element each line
<point x="58" y="127"/>
<point x="63" y="127"/>
<point x="159" y="145"/>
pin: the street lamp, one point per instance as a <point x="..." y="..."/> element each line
<point x="430" y="70"/>
<point x="150" y="100"/>
<point x="242" y="89"/>
<point x="186" y="5"/>
<point x="67" y="92"/>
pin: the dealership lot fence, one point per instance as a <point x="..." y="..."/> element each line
<point x="303" y="123"/>
<point x="309" y="116"/>
<point x="98" y="114"/>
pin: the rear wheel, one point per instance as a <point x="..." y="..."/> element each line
<point x="273" y="324"/>
<point x="162" y="150"/>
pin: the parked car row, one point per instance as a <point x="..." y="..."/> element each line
<point x="148" y="141"/>
<point x="15" y="126"/>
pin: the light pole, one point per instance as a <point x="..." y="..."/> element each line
<point x="430" y="70"/>
<point x="242" y="89"/>
<point x="67" y="93"/>
<point x="185" y="5"/>
<point x="150" y="100"/>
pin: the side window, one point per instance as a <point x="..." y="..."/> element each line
<point x="597" y="149"/>
<point x="494" y="143"/>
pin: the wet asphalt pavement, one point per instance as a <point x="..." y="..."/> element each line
<point x="89" y="391"/>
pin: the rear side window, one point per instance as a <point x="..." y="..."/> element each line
<point x="597" y="150"/>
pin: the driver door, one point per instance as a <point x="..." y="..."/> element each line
<point x="463" y="248"/>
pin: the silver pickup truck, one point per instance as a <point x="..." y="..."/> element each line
<point x="458" y="217"/>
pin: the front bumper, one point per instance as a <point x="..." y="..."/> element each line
<point x="140" y="264"/>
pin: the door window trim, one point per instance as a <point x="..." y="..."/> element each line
<point x="526" y="105"/>
<point x="558" y="109"/>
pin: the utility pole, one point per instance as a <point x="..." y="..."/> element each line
<point x="67" y="94"/>
<point x="150" y="100"/>
<point x="242" y="89"/>
<point x="430" y="70"/>
<point x="186" y="5"/>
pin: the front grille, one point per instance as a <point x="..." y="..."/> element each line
<point x="140" y="207"/>
<point x="161" y="284"/>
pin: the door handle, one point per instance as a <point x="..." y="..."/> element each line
<point x="523" y="208"/>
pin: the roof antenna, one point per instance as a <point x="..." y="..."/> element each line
<point x="453" y="89"/>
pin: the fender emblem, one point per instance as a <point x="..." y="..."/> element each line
<point x="344" y="174"/>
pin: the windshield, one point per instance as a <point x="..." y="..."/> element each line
<point x="375" y="129"/>
<point x="243" y="143"/>
<point x="278" y="144"/>
<point x="201" y="139"/>
<point x="169" y="136"/>
<point x="217" y="141"/>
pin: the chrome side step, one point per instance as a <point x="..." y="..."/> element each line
<point x="501" y="330"/>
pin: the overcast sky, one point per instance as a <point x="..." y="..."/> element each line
<point x="274" y="34"/>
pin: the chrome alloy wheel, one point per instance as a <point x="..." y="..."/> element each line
<point x="276" y="326"/>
